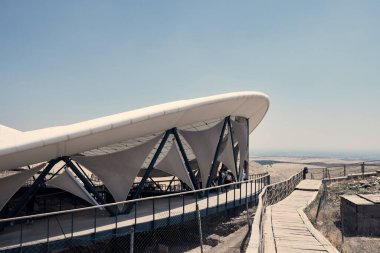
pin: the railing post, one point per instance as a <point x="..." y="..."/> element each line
<point x="95" y="223"/>
<point x="116" y="223"/>
<point x="208" y="193"/>
<point x="132" y="240"/>
<point x="251" y="191"/>
<point x="199" y="227"/>
<point x="153" y="206"/>
<point x="48" y="234"/>
<point x="217" y="199"/>
<point x="362" y="168"/>
<point x="21" y="236"/>
<point x="255" y="191"/>
<point x="240" y="188"/>
<point x="183" y="207"/>
<point x="169" y="210"/>
<point x="72" y="224"/>
<point x="226" y="196"/>
<point x="135" y="212"/>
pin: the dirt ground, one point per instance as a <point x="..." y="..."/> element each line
<point x="328" y="220"/>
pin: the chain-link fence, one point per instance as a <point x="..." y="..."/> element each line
<point x="183" y="222"/>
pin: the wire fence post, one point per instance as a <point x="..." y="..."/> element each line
<point x="246" y="201"/>
<point x="132" y="239"/>
<point x="48" y="234"/>
<point x="344" y="170"/>
<point x="200" y="227"/>
<point x="21" y="237"/>
<point x="362" y="168"/>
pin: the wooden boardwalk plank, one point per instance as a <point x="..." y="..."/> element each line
<point x="288" y="232"/>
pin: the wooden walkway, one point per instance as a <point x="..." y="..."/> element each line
<point x="286" y="227"/>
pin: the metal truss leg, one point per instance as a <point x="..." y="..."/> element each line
<point x="185" y="159"/>
<point x="32" y="189"/>
<point x="137" y="192"/>
<point x="214" y="163"/>
<point x="89" y="187"/>
<point x="233" y="147"/>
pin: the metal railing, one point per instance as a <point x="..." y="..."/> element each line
<point x="344" y="170"/>
<point x="271" y="194"/>
<point x="71" y="228"/>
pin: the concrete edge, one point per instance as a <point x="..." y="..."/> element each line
<point x="317" y="235"/>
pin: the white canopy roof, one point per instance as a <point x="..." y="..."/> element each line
<point x="24" y="148"/>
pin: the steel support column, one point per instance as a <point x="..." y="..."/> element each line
<point x="32" y="189"/>
<point x="185" y="159"/>
<point x="233" y="147"/>
<point x="247" y="169"/>
<point x="213" y="166"/>
<point x="137" y="192"/>
<point x="171" y="181"/>
<point x="88" y="186"/>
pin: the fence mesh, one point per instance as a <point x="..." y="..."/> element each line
<point x="186" y="222"/>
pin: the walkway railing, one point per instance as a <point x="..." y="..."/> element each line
<point x="89" y="225"/>
<point x="345" y="170"/>
<point x="270" y="195"/>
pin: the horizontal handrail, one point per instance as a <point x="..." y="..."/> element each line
<point x="128" y="201"/>
<point x="256" y="243"/>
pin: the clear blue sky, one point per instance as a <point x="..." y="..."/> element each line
<point x="319" y="61"/>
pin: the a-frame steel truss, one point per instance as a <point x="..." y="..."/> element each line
<point x="89" y="186"/>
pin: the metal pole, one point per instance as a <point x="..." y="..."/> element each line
<point x="95" y="223"/>
<point x="32" y="189"/>
<point x="153" y="206"/>
<point x="131" y="244"/>
<point x="234" y="196"/>
<point x="135" y="214"/>
<point x="200" y="228"/>
<point x="240" y="188"/>
<point x="255" y="191"/>
<point x="214" y="162"/>
<point x="196" y="201"/>
<point x="251" y="191"/>
<point x="169" y="210"/>
<point x="72" y="224"/>
<point x="21" y="236"/>
<point x="226" y="197"/>
<point x="246" y="200"/>
<point x="183" y="208"/>
<point x="48" y="233"/>
<point x="344" y="170"/>
<point x="86" y="183"/>
<point x="217" y="200"/>
<point x="233" y="147"/>
<point x="185" y="159"/>
<point x="137" y="192"/>
<point x="207" y="201"/>
<point x="362" y="167"/>
<point x="116" y="223"/>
